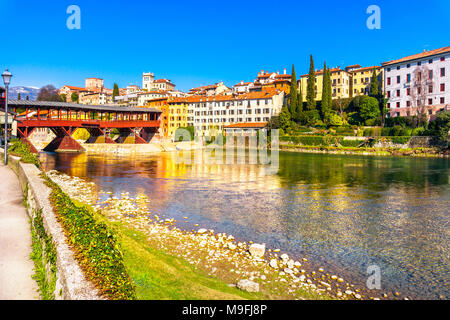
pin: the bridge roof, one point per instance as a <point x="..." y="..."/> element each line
<point x="76" y="106"/>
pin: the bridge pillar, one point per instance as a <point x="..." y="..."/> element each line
<point x="24" y="134"/>
<point x="98" y="135"/>
<point x="64" y="141"/>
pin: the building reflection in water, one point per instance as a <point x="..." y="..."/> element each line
<point x="347" y="211"/>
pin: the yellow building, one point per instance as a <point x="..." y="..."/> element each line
<point x="174" y="114"/>
<point x="362" y="78"/>
<point x="340" y="84"/>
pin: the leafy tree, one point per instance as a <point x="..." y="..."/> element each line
<point x="274" y="123"/>
<point x="285" y="119"/>
<point x="49" y="93"/>
<point x="311" y="90"/>
<point x="18" y="96"/>
<point x="369" y="108"/>
<point x="300" y="99"/>
<point x="293" y="94"/>
<point x="74" y="97"/>
<point x="63" y="97"/>
<point x="441" y="126"/>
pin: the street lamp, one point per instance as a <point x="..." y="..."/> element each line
<point x="6" y="80"/>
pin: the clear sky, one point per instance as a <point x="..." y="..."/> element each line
<point x="196" y="43"/>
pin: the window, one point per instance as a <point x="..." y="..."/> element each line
<point x="430" y="74"/>
<point x="430" y="61"/>
<point x="398" y="79"/>
<point x="419" y="63"/>
<point x="442" y="87"/>
<point x="389" y="81"/>
<point x="442" y="58"/>
<point x="398" y="68"/>
<point x="388" y="69"/>
<point x="388" y="94"/>
<point x="408" y="78"/>
<point x="388" y="105"/>
<point x="398" y="104"/>
<point x="398" y="93"/>
<point x="408" y="65"/>
<point x="430" y="101"/>
<point x="442" y="72"/>
<point x="442" y="100"/>
<point x="430" y="89"/>
<point x="408" y="103"/>
<point x="408" y="91"/>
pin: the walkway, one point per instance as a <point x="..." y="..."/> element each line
<point x="16" y="267"/>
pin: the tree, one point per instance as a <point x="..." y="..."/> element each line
<point x="28" y="98"/>
<point x="293" y="94"/>
<point x="74" y="97"/>
<point x="311" y="90"/>
<point x="49" y="93"/>
<point x="18" y="96"/>
<point x="369" y="108"/>
<point x="285" y="119"/>
<point x="300" y="99"/>
<point x="115" y="91"/>
<point x="421" y="83"/>
<point x="374" y="84"/>
<point x="326" y="94"/>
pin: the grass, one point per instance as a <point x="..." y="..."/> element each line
<point x="157" y="275"/>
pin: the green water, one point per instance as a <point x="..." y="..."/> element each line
<point x="344" y="213"/>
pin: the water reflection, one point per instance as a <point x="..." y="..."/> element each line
<point x="346" y="212"/>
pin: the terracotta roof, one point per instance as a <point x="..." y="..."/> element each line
<point x="287" y="76"/>
<point x="418" y="56"/>
<point x="364" y="69"/>
<point x="264" y="94"/>
<point x="332" y="70"/>
<point x="163" y="80"/>
<point x="242" y="84"/>
<point x="244" y="125"/>
<point x="74" y="88"/>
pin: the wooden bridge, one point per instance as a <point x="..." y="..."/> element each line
<point x="135" y="125"/>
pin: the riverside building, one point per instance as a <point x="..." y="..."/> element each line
<point x="418" y="84"/>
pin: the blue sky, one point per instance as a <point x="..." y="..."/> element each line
<point x="195" y="43"/>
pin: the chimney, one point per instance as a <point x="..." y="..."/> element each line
<point x="242" y="81"/>
<point x="284" y="70"/>
<point x="262" y="72"/>
<point x="278" y="72"/>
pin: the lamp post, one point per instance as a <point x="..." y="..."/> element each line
<point x="6" y="80"/>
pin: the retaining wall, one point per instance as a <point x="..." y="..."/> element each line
<point x="71" y="283"/>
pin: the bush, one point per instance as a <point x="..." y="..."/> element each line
<point x="350" y="143"/>
<point x="372" y="132"/>
<point x="400" y="140"/>
<point x="441" y="126"/>
<point x="345" y="131"/>
<point x="418" y="132"/>
<point x="22" y="150"/>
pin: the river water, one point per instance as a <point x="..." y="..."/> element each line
<point x="344" y="213"/>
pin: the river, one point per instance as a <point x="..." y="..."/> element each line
<point x="345" y="213"/>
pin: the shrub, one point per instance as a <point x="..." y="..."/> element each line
<point x="22" y="150"/>
<point x="441" y="126"/>
<point x="400" y="140"/>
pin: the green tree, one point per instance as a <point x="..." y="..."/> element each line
<point x="374" y="84"/>
<point x="369" y="108"/>
<point x="293" y="94"/>
<point x="285" y="119"/>
<point x="300" y="99"/>
<point x="18" y="96"/>
<point x="326" y="94"/>
<point x="115" y="91"/>
<point x="74" y="96"/>
<point x="28" y="98"/>
<point x="311" y="90"/>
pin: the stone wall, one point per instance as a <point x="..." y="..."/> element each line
<point x="71" y="283"/>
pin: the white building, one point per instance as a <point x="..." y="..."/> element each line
<point x="163" y="85"/>
<point x="210" y="114"/>
<point x="147" y="80"/>
<point x="418" y="84"/>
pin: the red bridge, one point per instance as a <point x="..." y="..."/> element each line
<point x="134" y="125"/>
